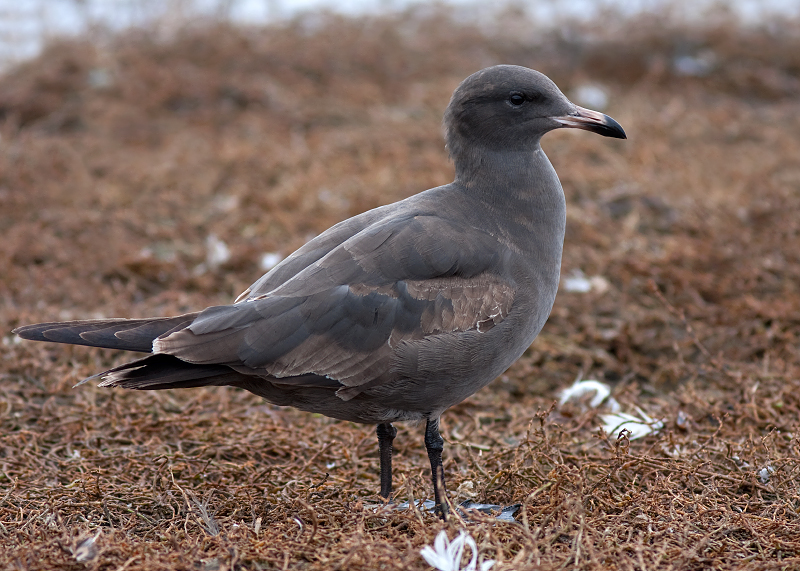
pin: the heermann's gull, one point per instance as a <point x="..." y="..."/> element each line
<point x="398" y="313"/>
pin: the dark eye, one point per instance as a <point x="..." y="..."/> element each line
<point x="516" y="99"/>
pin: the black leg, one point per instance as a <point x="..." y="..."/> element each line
<point x="435" y="445"/>
<point x="386" y="433"/>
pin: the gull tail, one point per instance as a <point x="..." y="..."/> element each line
<point x="151" y="372"/>
<point x="156" y="372"/>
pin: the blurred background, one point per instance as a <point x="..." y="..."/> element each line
<point x="26" y="26"/>
<point x="158" y="157"/>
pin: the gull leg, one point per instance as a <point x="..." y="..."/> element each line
<point x="386" y="433"/>
<point x="435" y="444"/>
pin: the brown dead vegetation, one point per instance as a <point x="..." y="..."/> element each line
<point x="119" y="158"/>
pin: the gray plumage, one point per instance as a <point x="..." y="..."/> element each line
<point x="400" y="312"/>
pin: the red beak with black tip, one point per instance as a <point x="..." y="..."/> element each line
<point x="594" y="121"/>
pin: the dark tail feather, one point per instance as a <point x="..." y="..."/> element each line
<point x="126" y="334"/>
<point x="167" y="372"/>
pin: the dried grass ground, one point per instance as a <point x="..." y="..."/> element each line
<point x="119" y="158"/>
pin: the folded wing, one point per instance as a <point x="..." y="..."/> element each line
<point x="343" y="316"/>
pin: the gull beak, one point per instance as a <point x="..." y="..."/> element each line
<point x="592" y="121"/>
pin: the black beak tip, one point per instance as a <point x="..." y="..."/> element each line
<point x="613" y="129"/>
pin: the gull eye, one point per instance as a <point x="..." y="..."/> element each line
<point x="516" y="98"/>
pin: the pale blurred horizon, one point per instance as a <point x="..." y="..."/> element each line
<point x="26" y="26"/>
